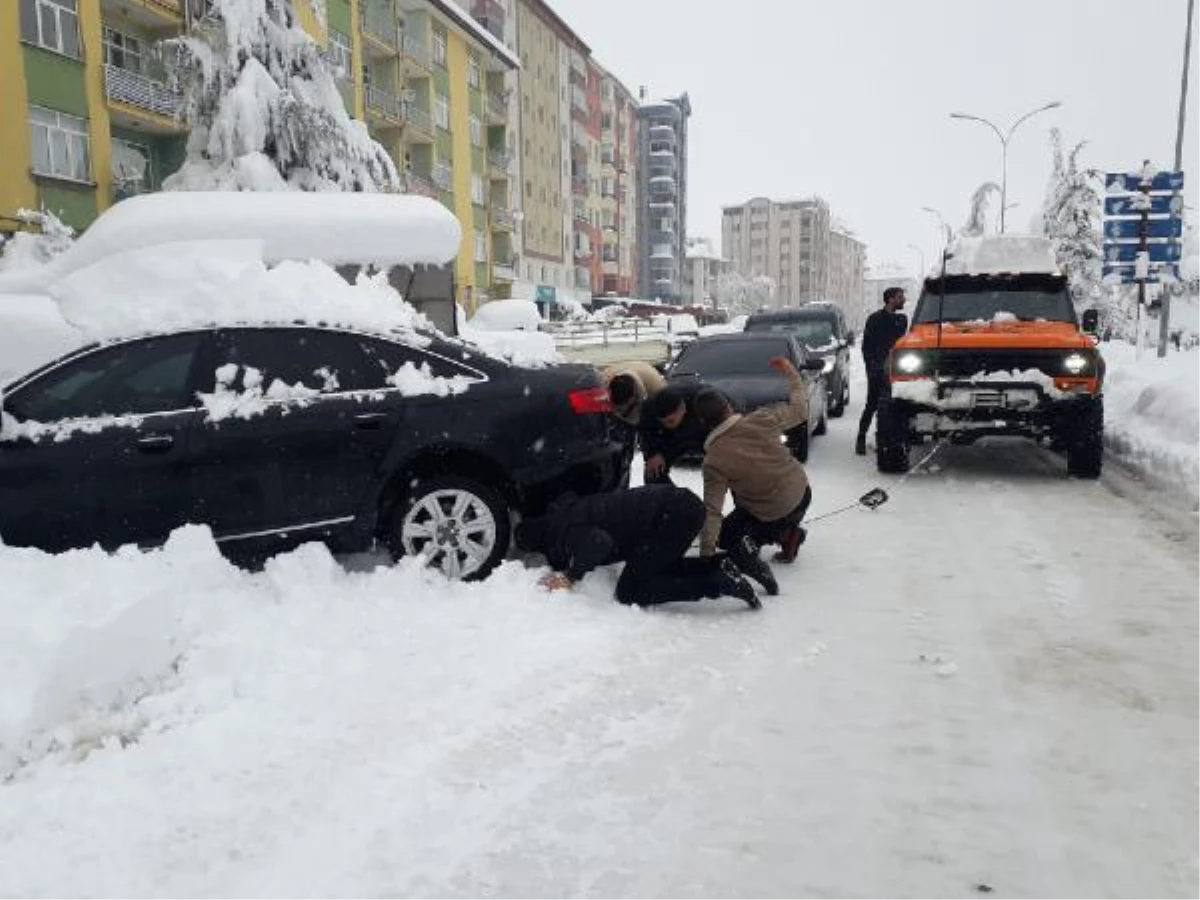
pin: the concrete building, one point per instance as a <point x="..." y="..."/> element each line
<point x="662" y="184"/>
<point x="877" y="279"/>
<point x="795" y="243"/>
<point x="702" y="268"/>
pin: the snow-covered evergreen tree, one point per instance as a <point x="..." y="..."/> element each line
<point x="1071" y="218"/>
<point x="976" y="224"/>
<point x="264" y="108"/>
<point x="742" y="295"/>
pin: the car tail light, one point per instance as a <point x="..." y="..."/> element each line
<point x="590" y="400"/>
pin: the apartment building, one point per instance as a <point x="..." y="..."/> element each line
<point x="703" y="268"/>
<point x="618" y="188"/>
<point x="795" y="243"/>
<point x="87" y="116"/>
<point x="662" y="182"/>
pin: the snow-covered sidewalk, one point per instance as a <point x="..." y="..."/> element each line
<point x="1152" y="414"/>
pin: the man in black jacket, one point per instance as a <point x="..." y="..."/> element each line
<point x="668" y="431"/>
<point x="884" y="327"/>
<point x="649" y="528"/>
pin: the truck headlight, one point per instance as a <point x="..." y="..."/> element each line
<point x="909" y="363"/>
<point x="1076" y="363"/>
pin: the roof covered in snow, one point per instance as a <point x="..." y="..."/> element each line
<point x="1001" y="253"/>
<point x="461" y="18"/>
<point x="337" y="228"/>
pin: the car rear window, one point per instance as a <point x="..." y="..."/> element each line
<point x="733" y="357"/>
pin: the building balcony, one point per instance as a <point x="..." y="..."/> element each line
<point x="499" y="163"/>
<point x="415" y="57"/>
<point x="502" y="218"/>
<point x="579" y="185"/>
<point x="497" y="108"/>
<point x="418" y="124"/>
<point x="159" y="17"/>
<point x="579" y="98"/>
<point x="580" y="211"/>
<point x="384" y="107"/>
<point x="662" y="251"/>
<point x="491" y="15"/>
<point x="380" y="29"/>
<point x="661" y="131"/>
<point x="503" y="271"/>
<point x="612" y="267"/>
<point x="579" y="64"/>
<point x="144" y="95"/>
<point x="443" y="176"/>
<point x="421" y="185"/>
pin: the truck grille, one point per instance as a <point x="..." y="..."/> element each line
<point x="961" y="363"/>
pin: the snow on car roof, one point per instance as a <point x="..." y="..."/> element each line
<point x="336" y="228"/>
<point x="995" y="254"/>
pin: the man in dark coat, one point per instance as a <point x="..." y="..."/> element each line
<point x="667" y="432"/>
<point x="884" y="327"/>
<point x="650" y="529"/>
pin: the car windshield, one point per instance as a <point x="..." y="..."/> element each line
<point x="809" y="330"/>
<point x="729" y="357"/>
<point x="986" y="300"/>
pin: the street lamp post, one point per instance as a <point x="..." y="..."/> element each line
<point x="1004" y="139"/>
<point x="948" y="232"/>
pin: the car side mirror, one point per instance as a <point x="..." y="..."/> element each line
<point x="813" y="365"/>
<point x="1091" y="321"/>
<point x="850" y="338"/>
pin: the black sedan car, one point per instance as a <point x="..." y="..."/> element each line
<point x="821" y="328"/>
<point x="736" y="365"/>
<point x="275" y="435"/>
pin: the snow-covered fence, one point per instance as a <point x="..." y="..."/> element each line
<point x="605" y="343"/>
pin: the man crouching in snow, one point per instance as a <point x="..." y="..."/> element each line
<point x="747" y="455"/>
<point x="648" y="528"/>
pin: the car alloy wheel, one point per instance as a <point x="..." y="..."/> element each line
<point x="454" y="529"/>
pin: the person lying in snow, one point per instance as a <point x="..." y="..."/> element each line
<point x="649" y="529"/>
<point x="747" y="456"/>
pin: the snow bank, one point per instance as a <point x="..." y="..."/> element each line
<point x="1152" y="414"/>
<point x="1001" y="253"/>
<point x="337" y="228"/>
<point x="507" y="315"/>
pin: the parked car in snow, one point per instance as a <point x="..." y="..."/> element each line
<point x="736" y="365"/>
<point x="277" y="434"/>
<point x="821" y="327"/>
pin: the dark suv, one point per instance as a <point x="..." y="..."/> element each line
<point x="821" y="327"/>
<point x="275" y="435"/>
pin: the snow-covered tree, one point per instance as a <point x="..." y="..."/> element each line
<point x="1071" y="218"/>
<point x="49" y="236"/>
<point x="264" y="108"/>
<point x="977" y="219"/>
<point x="740" y="294"/>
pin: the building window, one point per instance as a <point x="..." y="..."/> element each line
<point x="473" y="76"/>
<point x="441" y="111"/>
<point x="341" y="54"/>
<point x="480" y="246"/>
<point x="439" y="48"/>
<point x="477" y="195"/>
<point x="122" y="50"/>
<point x="60" y="145"/>
<point x="53" y="24"/>
<point x="476" y="131"/>
<point x="133" y="167"/>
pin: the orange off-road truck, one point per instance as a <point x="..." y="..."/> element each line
<point x="996" y="348"/>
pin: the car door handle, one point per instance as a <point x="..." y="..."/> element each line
<point x="370" y="420"/>
<point x="156" y="443"/>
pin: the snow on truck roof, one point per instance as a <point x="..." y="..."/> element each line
<point x="335" y="228"/>
<point x="996" y="254"/>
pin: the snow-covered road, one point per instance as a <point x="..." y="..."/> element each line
<point x="992" y="680"/>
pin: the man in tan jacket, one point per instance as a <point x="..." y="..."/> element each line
<point x="747" y="456"/>
<point x="630" y="385"/>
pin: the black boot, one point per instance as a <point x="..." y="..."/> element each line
<point x="732" y="583"/>
<point x="745" y="555"/>
<point x="860" y="445"/>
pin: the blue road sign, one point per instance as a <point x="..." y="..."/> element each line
<point x="1155" y="228"/>
<point x="1131" y="206"/>
<point x="1165" y="252"/>
<point x="1132" y="181"/>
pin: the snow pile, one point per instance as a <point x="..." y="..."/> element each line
<point x="253" y="399"/>
<point x="1001" y="253"/>
<point x="507" y="315"/>
<point x="924" y="390"/>
<point x="532" y="349"/>
<point x="411" y="381"/>
<point x="1152" y="413"/>
<point x="29" y="249"/>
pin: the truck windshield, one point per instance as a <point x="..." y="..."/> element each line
<point x="1027" y="299"/>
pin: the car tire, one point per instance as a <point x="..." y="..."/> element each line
<point x="891" y="438"/>
<point x="797" y="442"/>
<point x="439" y="516"/>
<point x="822" y="426"/>
<point x="1085" y="442"/>
<point x="838" y="407"/>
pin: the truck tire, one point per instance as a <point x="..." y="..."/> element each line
<point x="891" y="437"/>
<point x="1085" y="440"/>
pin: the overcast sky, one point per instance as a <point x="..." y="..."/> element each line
<point x="849" y="99"/>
